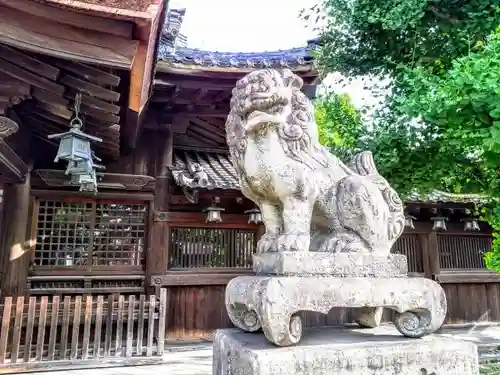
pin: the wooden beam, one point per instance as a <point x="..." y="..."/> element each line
<point x="202" y="139"/>
<point x="37" y="110"/>
<point x="219" y="130"/>
<point x="179" y="124"/>
<point x="141" y="76"/>
<point x="196" y="111"/>
<point x="201" y="94"/>
<point x="29" y="63"/>
<point x="71" y="18"/>
<point x="159" y="250"/>
<point x="12" y="87"/>
<point x="90" y="88"/>
<point x="12" y="166"/>
<point x="186" y="278"/>
<point x="109" y="139"/>
<point x="114" y="181"/>
<point x="202" y="133"/>
<point x="194" y="83"/>
<point x="93" y="107"/>
<point x="30" y="78"/>
<point x="92" y="75"/>
<point x="51" y="38"/>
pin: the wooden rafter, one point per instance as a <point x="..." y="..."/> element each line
<point x="51" y="85"/>
<point x="213" y="129"/>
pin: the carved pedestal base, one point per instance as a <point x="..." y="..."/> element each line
<point x="272" y="303"/>
<point x="288" y="263"/>
<point x="327" y="351"/>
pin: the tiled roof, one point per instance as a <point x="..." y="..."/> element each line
<point x="291" y="58"/>
<point x="170" y="51"/>
<point x="438" y="196"/>
<point x="204" y="170"/>
<point x="215" y="171"/>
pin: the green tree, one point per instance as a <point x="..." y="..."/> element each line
<point x="339" y="123"/>
<point x="440" y="126"/>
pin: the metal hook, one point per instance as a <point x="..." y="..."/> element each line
<point x="76" y="121"/>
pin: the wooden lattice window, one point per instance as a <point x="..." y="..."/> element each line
<point x="409" y="245"/>
<point x="463" y="251"/>
<point x="90" y="233"/>
<point x="212" y="248"/>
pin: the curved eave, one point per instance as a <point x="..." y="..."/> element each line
<point x="179" y="68"/>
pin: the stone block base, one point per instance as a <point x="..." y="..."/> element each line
<point x="380" y="351"/>
<point x="273" y="303"/>
<point x="330" y="264"/>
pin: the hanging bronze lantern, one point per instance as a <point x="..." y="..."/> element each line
<point x="254" y="216"/>
<point x="214" y="211"/>
<point x="409" y="221"/>
<point x="74" y="145"/>
<point x="471" y="224"/>
<point x="439" y="224"/>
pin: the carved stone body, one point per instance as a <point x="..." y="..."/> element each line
<point x="308" y="198"/>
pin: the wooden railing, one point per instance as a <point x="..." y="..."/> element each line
<point x="53" y="330"/>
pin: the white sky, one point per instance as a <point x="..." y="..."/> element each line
<point x="244" y="26"/>
<point x="255" y="26"/>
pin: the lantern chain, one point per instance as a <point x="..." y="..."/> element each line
<point x="76" y="122"/>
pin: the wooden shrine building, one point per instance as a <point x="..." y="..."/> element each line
<point x="153" y="229"/>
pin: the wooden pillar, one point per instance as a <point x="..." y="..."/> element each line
<point x="157" y="261"/>
<point x="435" y="265"/>
<point x="16" y="237"/>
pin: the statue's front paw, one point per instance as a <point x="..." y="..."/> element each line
<point x="266" y="243"/>
<point x="293" y="242"/>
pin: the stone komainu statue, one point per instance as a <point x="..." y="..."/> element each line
<point x="308" y="198"/>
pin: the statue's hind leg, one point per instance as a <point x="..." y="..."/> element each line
<point x="363" y="212"/>
<point x="342" y="242"/>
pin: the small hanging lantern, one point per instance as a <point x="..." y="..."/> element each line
<point x="214" y="211"/>
<point x="74" y="147"/>
<point x="74" y="144"/>
<point x="439" y="223"/>
<point x="409" y="221"/>
<point x="471" y="224"/>
<point x="254" y="216"/>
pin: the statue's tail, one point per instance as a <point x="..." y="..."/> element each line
<point x="364" y="165"/>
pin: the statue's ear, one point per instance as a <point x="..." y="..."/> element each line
<point x="291" y="79"/>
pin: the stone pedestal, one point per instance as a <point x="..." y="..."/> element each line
<point x="380" y="351"/>
<point x="289" y="282"/>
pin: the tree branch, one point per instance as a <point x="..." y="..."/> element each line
<point x="437" y="13"/>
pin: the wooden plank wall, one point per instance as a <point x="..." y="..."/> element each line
<point x="473" y="294"/>
<point x="50" y="331"/>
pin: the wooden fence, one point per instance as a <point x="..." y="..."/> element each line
<point x="44" y="332"/>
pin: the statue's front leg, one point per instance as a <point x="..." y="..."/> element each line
<point x="297" y="225"/>
<point x="271" y="216"/>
